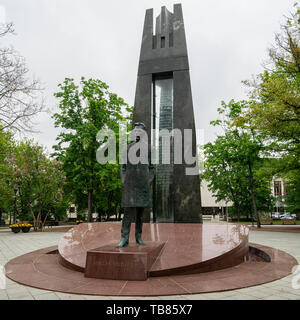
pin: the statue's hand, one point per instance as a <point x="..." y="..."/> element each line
<point x="151" y="176"/>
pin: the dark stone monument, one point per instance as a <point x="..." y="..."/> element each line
<point x="163" y="100"/>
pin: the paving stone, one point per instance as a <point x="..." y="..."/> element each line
<point x="289" y="295"/>
<point x="46" y="296"/>
<point x="68" y="296"/>
<point x="36" y="291"/>
<point x="197" y="297"/>
<point x="260" y="294"/>
<point x="91" y="297"/>
<point x="3" y="296"/>
<point x="147" y="298"/>
<point x="175" y="297"/>
<point x="122" y="298"/>
<point x="213" y="295"/>
<point x="242" y="296"/>
<point x="275" y="297"/>
<point x="18" y="294"/>
<point x="29" y="297"/>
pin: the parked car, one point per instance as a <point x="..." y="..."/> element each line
<point x="275" y="215"/>
<point x="287" y="215"/>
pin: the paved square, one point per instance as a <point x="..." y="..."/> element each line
<point x="13" y="245"/>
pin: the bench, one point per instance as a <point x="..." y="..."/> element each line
<point x="50" y="224"/>
<point x="266" y="221"/>
<point x="289" y="221"/>
<point x="206" y="216"/>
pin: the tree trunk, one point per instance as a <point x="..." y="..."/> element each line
<point x="99" y="214"/>
<point x="90" y="205"/>
<point x="238" y="209"/>
<point x="38" y="219"/>
<point x="253" y="195"/>
<point x="43" y="223"/>
<point x="33" y="217"/>
<point x="271" y="208"/>
<point x="0" y="216"/>
<point x="109" y="211"/>
<point x="22" y="204"/>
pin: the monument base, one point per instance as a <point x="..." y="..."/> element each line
<point x="41" y="269"/>
<point x="188" y="249"/>
<point x="128" y="263"/>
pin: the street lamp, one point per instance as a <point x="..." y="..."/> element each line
<point x="15" y="203"/>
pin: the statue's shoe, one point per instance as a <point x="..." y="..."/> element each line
<point x="140" y="242"/>
<point x="123" y="243"/>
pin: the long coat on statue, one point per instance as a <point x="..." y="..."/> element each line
<point x="136" y="180"/>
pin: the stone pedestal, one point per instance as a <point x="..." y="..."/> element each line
<point x="129" y="263"/>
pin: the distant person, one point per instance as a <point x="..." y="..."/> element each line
<point x="214" y="213"/>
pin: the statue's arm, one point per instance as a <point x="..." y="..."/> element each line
<point x="123" y="172"/>
<point x="151" y="173"/>
<point x="151" y="168"/>
<point x="123" y="166"/>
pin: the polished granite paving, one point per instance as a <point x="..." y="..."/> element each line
<point x="188" y="248"/>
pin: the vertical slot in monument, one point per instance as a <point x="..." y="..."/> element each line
<point x="162" y="141"/>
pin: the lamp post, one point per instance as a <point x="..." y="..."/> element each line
<point x="8" y="183"/>
<point x="15" y="203"/>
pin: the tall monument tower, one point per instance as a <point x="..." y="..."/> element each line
<point x="163" y="100"/>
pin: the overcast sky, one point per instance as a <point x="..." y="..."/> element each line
<point x="227" y="43"/>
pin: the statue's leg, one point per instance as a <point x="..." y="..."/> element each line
<point x="139" y="226"/>
<point x="125" y="231"/>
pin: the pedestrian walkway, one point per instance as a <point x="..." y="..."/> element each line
<point x="12" y="245"/>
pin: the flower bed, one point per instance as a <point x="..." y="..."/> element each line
<point x="17" y="227"/>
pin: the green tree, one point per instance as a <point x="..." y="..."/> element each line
<point x="274" y="109"/>
<point x="275" y="93"/>
<point x="292" y="198"/>
<point x="232" y="161"/>
<point x="84" y="110"/>
<point x="6" y="190"/>
<point x="226" y="178"/>
<point x="40" y="181"/>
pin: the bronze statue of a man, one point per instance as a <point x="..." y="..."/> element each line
<point x="136" y="181"/>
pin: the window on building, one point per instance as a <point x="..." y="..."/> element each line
<point x="277" y="188"/>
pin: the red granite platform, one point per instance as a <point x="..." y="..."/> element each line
<point x="188" y="248"/>
<point x="128" y="263"/>
<point x="41" y="269"/>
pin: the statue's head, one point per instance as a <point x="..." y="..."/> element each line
<point x="139" y="125"/>
<point x="139" y="129"/>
